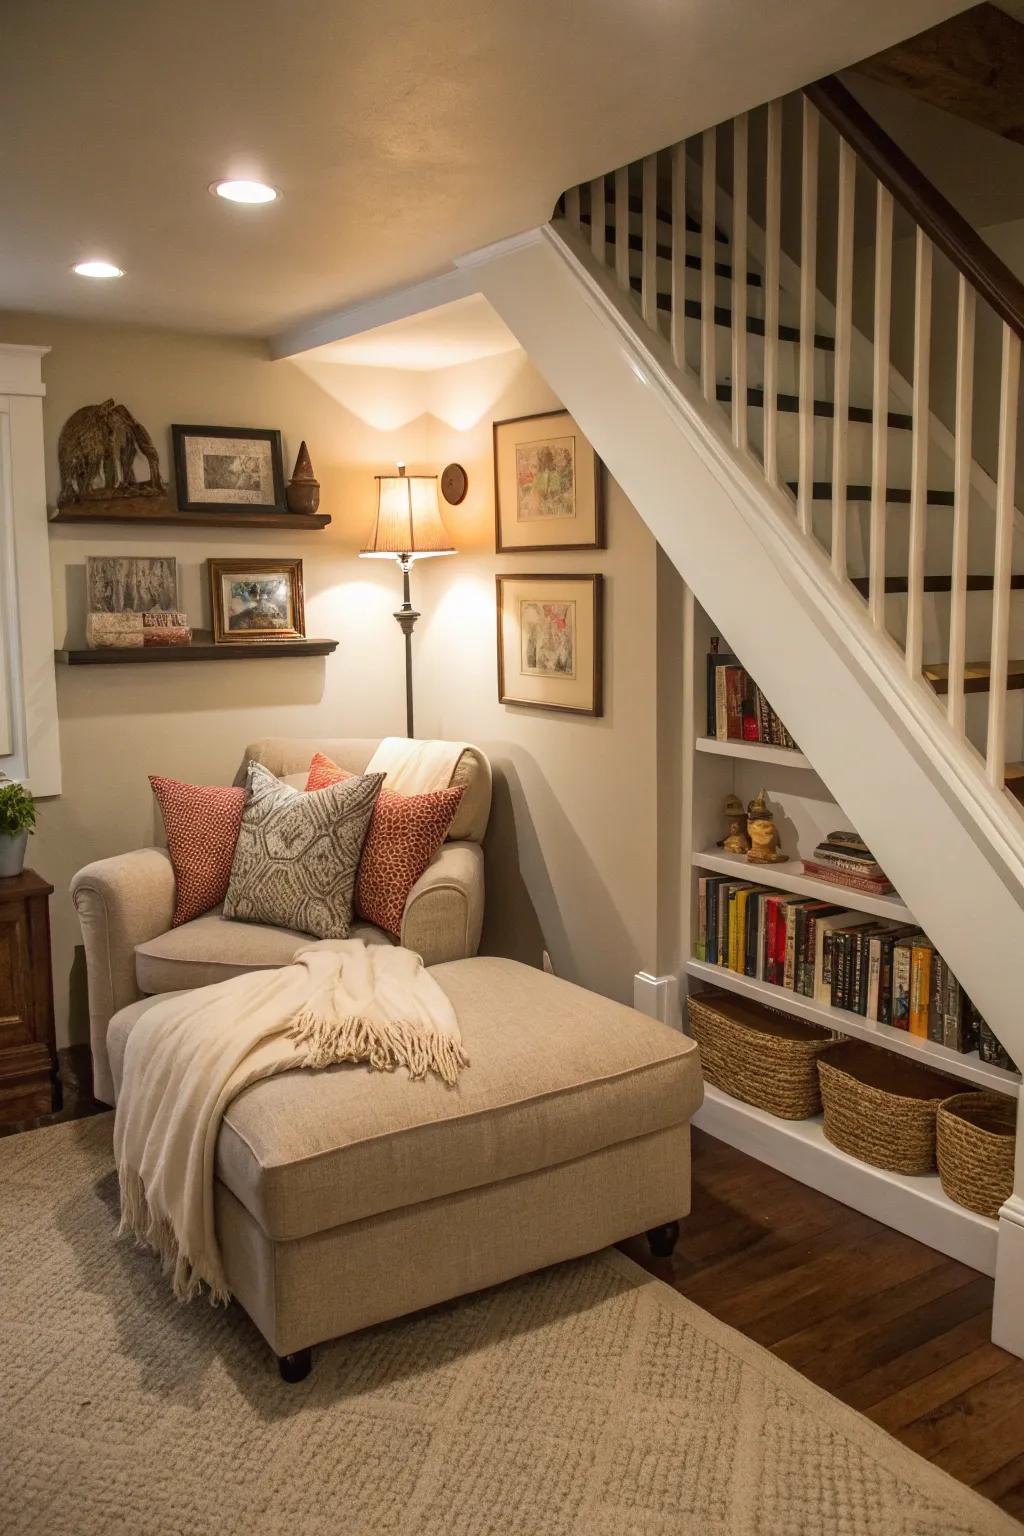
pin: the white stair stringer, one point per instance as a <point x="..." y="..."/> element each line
<point x="951" y="843"/>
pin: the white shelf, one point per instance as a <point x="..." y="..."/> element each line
<point x="967" y="1066"/>
<point x="914" y="1205"/>
<point x="790" y="877"/>
<point x="754" y="751"/>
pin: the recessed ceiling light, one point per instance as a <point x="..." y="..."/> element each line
<point x="244" y="191"/>
<point x="97" y="269"/>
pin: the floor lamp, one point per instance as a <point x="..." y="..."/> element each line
<point x="408" y="527"/>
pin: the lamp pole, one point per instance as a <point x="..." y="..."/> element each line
<point x="407" y="616"/>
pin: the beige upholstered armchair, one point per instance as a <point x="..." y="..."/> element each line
<point x="125" y="904"/>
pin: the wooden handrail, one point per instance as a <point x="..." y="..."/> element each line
<point x="944" y="226"/>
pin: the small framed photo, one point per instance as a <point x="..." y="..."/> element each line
<point x="549" y="642"/>
<point x="547" y="486"/>
<point x="228" y="469"/>
<point x="256" y="600"/>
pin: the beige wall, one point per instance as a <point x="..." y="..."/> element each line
<point x="572" y="847"/>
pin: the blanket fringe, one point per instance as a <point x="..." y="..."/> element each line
<point x="383" y="1045"/>
<point x="137" y="1221"/>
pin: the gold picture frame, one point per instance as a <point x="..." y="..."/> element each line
<point x="550" y="642"/>
<point x="548" y="486"/>
<point x="254" y="600"/>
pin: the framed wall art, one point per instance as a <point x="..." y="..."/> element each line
<point x="256" y="600"/>
<point x="549" y="642"/>
<point x="228" y="469"/>
<point x="547" y="486"/>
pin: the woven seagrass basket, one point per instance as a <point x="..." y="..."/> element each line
<point x="759" y="1055"/>
<point x="881" y="1108"/>
<point x="975" y="1138"/>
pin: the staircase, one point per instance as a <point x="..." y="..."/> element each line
<point x="803" y="369"/>
<point x="814" y="399"/>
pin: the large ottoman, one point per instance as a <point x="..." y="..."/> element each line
<point x="345" y="1197"/>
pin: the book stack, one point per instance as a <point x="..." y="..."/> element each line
<point x="885" y="971"/>
<point x="737" y="709"/>
<point x="843" y="858"/>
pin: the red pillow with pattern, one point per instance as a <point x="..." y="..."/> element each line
<point x="201" y="822"/>
<point x="405" y="833"/>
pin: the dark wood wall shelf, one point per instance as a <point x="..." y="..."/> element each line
<point x="292" y="522"/>
<point x="201" y="649"/>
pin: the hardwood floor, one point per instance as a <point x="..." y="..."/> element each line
<point x="891" y="1327"/>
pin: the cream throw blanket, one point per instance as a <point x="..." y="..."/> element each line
<point x="415" y="767"/>
<point x="188" y="1057"/>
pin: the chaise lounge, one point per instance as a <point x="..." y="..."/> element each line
<point x="342" y="1201"/>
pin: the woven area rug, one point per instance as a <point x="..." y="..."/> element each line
<point x="588" y="1400"/>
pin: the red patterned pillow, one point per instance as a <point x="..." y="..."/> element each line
<point x="405" y="833"/>
<point x="201" y="822"/>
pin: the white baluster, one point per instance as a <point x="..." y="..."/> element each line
<point x="808" y="286"/>
<point x="1009" y="397"/>
<point x="622" y="226"/>
<point x="678" y="332"/>
<point x="709" y="187"/>
<point x="572" y="207"/>
<point x="880" y="405"/>
<point x="740" y="139"/>
<point x="649" y="242"/>
<point x="919" y="453"/>
<point x="598" y="219"/>
<point x="841" y="385"/>
<point x="963" y="430"/>
<point x="772" y="232"/>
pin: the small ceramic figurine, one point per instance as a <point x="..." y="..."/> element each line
<point x="764" y="834"/>
<point x="736" y="839"/>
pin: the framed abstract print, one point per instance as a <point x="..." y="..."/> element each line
<point x="549" y="642"/>
<point x="547" y="486"/>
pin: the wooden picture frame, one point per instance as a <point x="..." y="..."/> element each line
<point x="228" y="469"/>
<point x="568" y="677"/>
<point x="548" y="486"/>
<point x="256" y="600"/>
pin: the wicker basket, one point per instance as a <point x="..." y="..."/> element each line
<point x="881" y="1108"/>
<point x="758" y="1055"/>
<point x="975" y="1137"/>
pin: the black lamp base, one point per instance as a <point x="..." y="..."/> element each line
<point x="407" y="616"/>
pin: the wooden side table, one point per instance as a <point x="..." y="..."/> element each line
<point x="29" y="1083"/>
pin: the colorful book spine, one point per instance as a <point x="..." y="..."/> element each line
<point x="901" y="966"/>
<point x="920" y="986"/>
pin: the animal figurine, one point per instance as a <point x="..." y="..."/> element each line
<point x="736" y="839"/>
<point x="764" y="834"/>
<point x="100" y="443"/>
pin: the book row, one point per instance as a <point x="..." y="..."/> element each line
<point x="886" y="971"/>
<point x="737" y="709"/>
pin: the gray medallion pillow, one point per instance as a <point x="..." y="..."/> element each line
<point x="297" y="854"/>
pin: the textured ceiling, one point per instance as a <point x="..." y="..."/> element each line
<point x="400" y="134"/>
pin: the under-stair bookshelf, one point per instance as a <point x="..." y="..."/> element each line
<point x="805" y="811"/>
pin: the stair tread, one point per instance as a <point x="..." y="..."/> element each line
<point x="824" y="408"/>
<point x="755" y="327"/>
<point x="896" y="495"/>
<point x="664" y="217"/>
<point x="694" y="263"/>
<point x="977" y="676"/>
<point x="974" y="583"/>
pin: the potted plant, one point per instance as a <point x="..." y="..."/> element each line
<point x="17" y="820"/>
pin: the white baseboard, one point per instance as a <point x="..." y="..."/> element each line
<point x="658" y="997"/>
<point x="1008" y="1303"/>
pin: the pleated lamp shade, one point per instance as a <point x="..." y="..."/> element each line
<point x="408" y="519"/>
